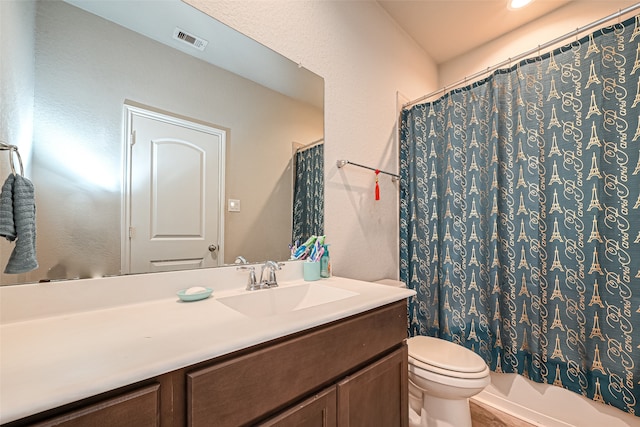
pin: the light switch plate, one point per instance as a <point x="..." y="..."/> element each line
<point x="234" y="205"/>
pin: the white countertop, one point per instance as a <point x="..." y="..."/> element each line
<point x="46" y="362"/>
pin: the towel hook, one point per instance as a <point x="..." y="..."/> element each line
<point x="13" y="149"/>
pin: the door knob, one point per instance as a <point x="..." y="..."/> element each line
<point x="213" y="248"/>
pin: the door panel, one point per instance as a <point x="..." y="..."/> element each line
<point x="176" y="194"/>
<point x="317" y="411"/>
<point x="377" y="395"/>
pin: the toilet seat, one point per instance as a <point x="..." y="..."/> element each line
<point x="445" y="358"/>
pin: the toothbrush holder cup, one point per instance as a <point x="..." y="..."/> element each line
<point x="311" y="271"/>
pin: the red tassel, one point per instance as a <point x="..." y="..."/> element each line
<point x="377" y="186"/>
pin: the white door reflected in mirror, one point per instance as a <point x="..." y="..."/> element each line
<point x="176" y="188"/>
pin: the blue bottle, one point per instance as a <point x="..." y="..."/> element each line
<point x="325" y="263"/>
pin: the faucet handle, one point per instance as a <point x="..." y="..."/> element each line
<point x="274" y="265"/>
<point x="272" y="282"/>
<point x="252" y="282"/>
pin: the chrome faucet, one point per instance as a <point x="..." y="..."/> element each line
<point x="272" y="266"/>
<point x="252" y="282"/>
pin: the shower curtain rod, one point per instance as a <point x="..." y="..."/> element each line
<point x="342" y="163"/>
<point x="310" y="145"/>
<point x="528" y="53"/>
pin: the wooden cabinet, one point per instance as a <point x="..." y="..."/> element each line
<point x="138" y="408"/>
<point x="376" y="395"/>
<point x="348" y="373"/>
<point x="317" y="411"/>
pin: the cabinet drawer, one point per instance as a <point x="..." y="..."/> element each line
<point x="243" y="390"/>
<point x="138" y="408"/>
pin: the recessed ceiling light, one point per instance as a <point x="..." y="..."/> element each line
<point x="517" y="4"/>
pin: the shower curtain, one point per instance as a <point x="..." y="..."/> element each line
<point x="308" y="193"/>
<point x="520" y="217"/>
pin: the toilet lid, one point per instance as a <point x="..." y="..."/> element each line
<point x="444" y="355"/>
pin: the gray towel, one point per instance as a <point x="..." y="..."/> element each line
<point x="7" y="226"/>
<point x="23" y="257"/>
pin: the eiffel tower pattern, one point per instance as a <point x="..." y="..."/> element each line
<point x="524" y="317"/>
<point x="519" y="197"/>
<point x="473" y="237"/>
<point x="474" y="166"/>
<point x="472" y="331"/>
<point x="555" y="150"/>
<point x="636" y="171"/>
<point x="592" y="47"/>
<point x="474" y="259"/>
<point x="593" y="76"/>
<point x="594" y="140"/>
<point x="595" y="263"/>
<point x="558" y="379"/>
<point x="557" y="321"/>
<point x="637" y="134"/>
<point x="595" y="232"/>
<point x="597" y="395"/>
<point x="636" y="63"/>
<point x="555" y="205"/>
<point x="636" y="29"/>
<point x="522" y="236"/>
<point x="596" y="332"/>
<point x="555" y="235"/>
<point x="557" y="265"/>
<point x="594" y="172"/>
<point x="596" y="365"/>
<point x="557" y="293"/>
<point x="522" y="208"/>
<point x="595" y="200"/>
<point x="637" y="97"/>
<point x="472" y="306"/>
<point x="525" y="342"/>
<point x="554" y="122"/>
<point x="555" y="176"/>
<point x="557" y="350"/>
<point x="473" y="284"/>
<point x="593" y="106"/>
<point x="553" y="92"/>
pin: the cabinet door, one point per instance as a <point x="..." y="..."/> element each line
<point x="376" y="395"/>
<point x="318" y="411"/>
<point x="138" y="408"/>
<point x="242" y="390"/>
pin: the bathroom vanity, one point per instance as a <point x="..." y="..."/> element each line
<point x="167" y="363"/>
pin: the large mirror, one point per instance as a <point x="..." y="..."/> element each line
<point x="72" y="72"/>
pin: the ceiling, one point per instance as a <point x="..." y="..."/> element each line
<point x="158" y="20"/>
<point x="446" y="29"/>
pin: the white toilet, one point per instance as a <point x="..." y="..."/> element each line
<point x="442" y="377"/>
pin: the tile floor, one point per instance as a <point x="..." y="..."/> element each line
<point x="486" y="416"/>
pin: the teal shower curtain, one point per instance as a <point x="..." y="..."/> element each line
<point x="308" y="193"/>
<point x="520" y="217"/>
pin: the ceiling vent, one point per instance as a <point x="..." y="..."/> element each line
<point x="190" y="39"/>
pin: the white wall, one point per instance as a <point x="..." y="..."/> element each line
<point x="365" y="60"/>
<point x="16" y="89"/>
<point x="575" y="14"/>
